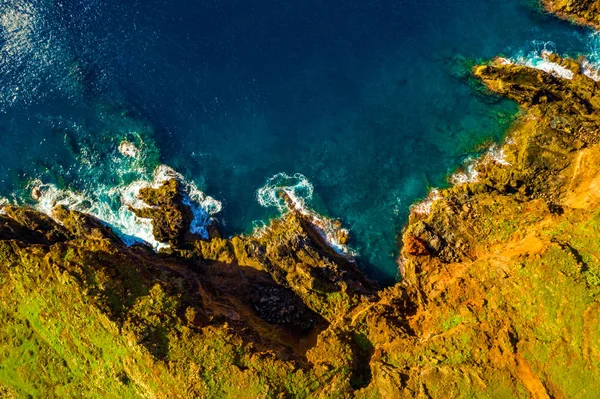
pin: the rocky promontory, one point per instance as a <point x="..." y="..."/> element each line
<point x="499" y="295"/>
<point x="585" y="12"/>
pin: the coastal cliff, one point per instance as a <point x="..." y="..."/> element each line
<point x="585" y="12"/>
<point x="499" y="294"/>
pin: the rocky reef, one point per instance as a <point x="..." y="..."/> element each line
<point x="499" y="296"/>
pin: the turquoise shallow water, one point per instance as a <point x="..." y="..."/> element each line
<point x="369" y="101"/>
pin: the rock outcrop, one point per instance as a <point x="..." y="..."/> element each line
<point x="171" y="217"/>
<point x="585" y="12"/>
<point x="503" y="270"/>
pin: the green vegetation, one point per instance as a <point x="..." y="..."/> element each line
<point x="500" y="297"/>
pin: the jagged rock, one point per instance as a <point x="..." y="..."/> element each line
<point x="585" y="12"/>
<point x="415" y="246"/>
<point x="281" y="306"/>
<point x="171" y="218"/>
<point x="81" y="225"/>
<point x="30" y="226"/>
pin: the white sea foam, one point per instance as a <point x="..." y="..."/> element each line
<point x="590" y="65"/>
<point x="129" y="149"/>
<point x="3" y="201"/>
<point x="591" y="70"/>
<point x="496" y="154"/>
<point x="424" y="207"/>
<point x="539" y="59"/>
<point x="468" y="174"/>
<point x="202" y="206"/>
<point x="542" y="63"/>
<point x="297" y="187"/>
<point x="259" y="229"/>
<point x="111" y="204"/>
<point x="131" y="228"/>
<point x="300" y="191"/>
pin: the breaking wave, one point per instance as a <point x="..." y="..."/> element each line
<point x="591" y="63"/>
<point x="111" y="203"/>
<point x="299" y="192"/>
<point x="539" y="58"/>
<point x="297" y="187"/>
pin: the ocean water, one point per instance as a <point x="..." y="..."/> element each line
<point x="358" y="108"/>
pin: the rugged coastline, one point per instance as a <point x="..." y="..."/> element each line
<point x="585" y="12"/>
<point x="500" y="295"/>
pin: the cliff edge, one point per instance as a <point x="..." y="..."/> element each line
<point x="585" y="12"/>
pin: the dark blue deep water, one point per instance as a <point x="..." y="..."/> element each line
<point x="369" y="100"/>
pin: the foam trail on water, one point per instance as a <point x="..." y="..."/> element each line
<point x="424" y="207"/>
<point x="111" y="204"/>
<point x="297" y="187"/>
<point x="542" y="62"/>
<point x="3" y="201"/>
<point x="131" y="228"/>
<point x="590" y="70"/>
<point x="129" y="149"/>
<point x="539" y="59"/>
<point x="300" y="191"/>
<point x="591" y="63"/>
<point x="467" y="174"/>
<point x="496" y="154"/>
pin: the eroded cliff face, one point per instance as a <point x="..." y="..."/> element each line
<point x="504" y="270"/>
<point x="207" y="318"/>
<point x="500" y="295"/>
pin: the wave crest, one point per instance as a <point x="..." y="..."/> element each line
<point x="111" y="203"/>
<point x="297" y="187"/>
<point x="539" y="58"/>
<point x="299" y="192"/>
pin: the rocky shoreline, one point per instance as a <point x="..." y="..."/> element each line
<point x="499" y="297"/>
<point x="585" y="12"/>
